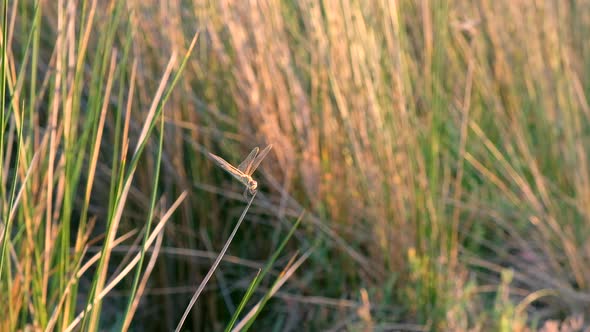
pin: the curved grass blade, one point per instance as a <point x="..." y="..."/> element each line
<point x="248" y="295"/>
<point x="213" y="267"/>
<point x="268" y="266"/>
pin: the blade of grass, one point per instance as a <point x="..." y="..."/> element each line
<point x="157" y="230"/>
<point x="213" y="267"/>
<point x="281" y="279"/>
<point x="142" y="285"/>
<point x="249" y="293"/>
<point x="3" y="115"/>
<point x="268" y="266"/>
<point x="148" y="225"/>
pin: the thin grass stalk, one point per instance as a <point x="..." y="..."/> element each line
<point x="289" y="270"/>
<point x="143" y="284"/>
<point x="148" y="225"/>
<point x="3" y="120"/>
<point x="213" y="267"/>
<point x="109" y="287"/>
<point x="244" y="301"/>
<point x="98" y="140"/>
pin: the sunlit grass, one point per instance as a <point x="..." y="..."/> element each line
<point x="439" y="149"/>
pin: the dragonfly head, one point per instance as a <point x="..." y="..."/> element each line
<point x="252" y="186"/>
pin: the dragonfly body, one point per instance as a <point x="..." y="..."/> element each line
<point x="243" y="172"/>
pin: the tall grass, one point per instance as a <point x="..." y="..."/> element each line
<point x="438" y="147"/>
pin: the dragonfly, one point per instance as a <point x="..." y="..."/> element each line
<point x="243" y="172"/>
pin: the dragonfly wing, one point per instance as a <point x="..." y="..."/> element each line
<point x="244" y="165"/>
<point x="254" y="165"/>
<point x="228" y="167"/>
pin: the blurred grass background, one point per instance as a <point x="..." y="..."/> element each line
<point x="439" y="149"/>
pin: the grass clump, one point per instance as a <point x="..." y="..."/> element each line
<point x="439" y="149"/>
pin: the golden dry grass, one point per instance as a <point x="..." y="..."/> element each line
<point x="440" y="149"/>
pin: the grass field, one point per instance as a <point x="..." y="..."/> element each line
<point x="429" y="171"/>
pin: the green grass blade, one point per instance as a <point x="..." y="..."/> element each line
<point x="242" y="305"/>
<point x="268" y="266"/>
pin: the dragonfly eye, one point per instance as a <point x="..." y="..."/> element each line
<point x="253" y="184"/>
